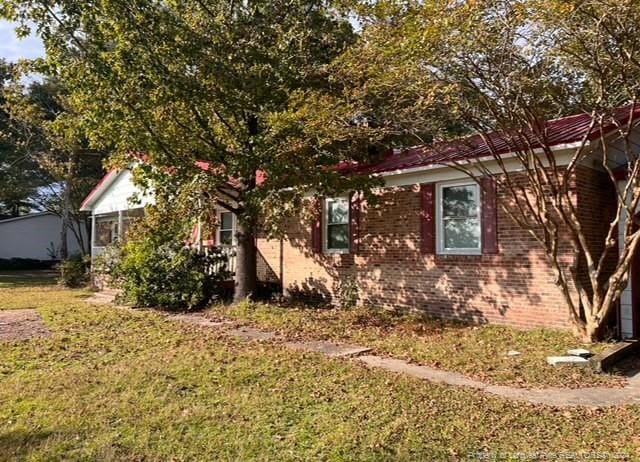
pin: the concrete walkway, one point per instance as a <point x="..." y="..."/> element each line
<point x="558" y="397"/>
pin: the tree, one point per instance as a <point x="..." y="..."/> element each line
<point x="220" y="81"/>
<point x="20" y="175"/>
<point x="45" y="124"/>
<point x="506" y="67"/>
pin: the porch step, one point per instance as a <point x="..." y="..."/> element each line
<point x="104" y="296"/>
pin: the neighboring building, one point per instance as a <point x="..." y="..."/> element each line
<point x="36" y="236"/>
<point x="435" y="241"/>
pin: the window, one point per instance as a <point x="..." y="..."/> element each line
<point x="106" y="229"/>
<point x="226" y="229"/>
<point x="458" y="218"/>
<point x="129" y="217"/>
<point x="336" y="219"/>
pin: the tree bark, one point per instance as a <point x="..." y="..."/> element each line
<point x="66" y="205"/>
<point x="246" y="278"/>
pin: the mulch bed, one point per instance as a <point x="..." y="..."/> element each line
<point x="21" y="324"/>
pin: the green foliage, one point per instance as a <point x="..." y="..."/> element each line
<point x="74" y="271"/>
<point x="218" y="81"/>
<point x="167" y="274"/>
<point x="348" y="292"/>
<point x="154" y="267"/>
<point x="20" y="174"/>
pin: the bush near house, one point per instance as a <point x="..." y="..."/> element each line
<point x="169" y="275"/>
<point x="154" y="267"/>
<point x="74" y="271"/>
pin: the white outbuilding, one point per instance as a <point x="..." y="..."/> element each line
<point x="36" y="236"/>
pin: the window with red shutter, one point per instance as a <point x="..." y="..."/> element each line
<point x="489" y="216"/>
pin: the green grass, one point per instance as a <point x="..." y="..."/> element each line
<point x="478" y="351"/>
<point x="113" y="384"/>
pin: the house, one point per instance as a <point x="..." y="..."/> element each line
<point x="113" y="203"/>
<point x="434" y="240"/>
<point x="35" y="236"/>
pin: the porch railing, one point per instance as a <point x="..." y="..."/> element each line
<point x="229" y="252"/>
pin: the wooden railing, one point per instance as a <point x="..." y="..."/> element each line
<point x="229" y="252"/>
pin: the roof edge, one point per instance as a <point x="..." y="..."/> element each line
<point x="99" y="189"/>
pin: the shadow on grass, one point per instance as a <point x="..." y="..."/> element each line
<point x="18" y="444"/>
<point x="9" y="279"/>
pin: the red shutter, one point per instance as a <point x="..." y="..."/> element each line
<point x="428" y="218"/>
<point x="354" y="225"/>
<point x="489" y="216"/>
<point x="316" y="227"/>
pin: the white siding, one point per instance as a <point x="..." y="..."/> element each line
<point x="120" y="195"/>
<point x="30" y="237"/>
<point x="626" y="306"/>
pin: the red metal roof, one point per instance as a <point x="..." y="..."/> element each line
<point x="554" y="133"/>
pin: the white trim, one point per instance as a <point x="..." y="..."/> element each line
<point x="440" y="248"/>
<point x="436" y="173"/>
<point x="102" y="187"/>
<point x="233" y="229"/>
<point x="325" y="226"/>
<point x="24" y="217"/>
<point x="626" y="314"/>
<point x="505" y="156"/>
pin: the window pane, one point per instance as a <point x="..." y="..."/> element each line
<point x="226" y="220"/>
<point x="226" y="237"/>
<point x="338" y="237"/>
<point x="106" y="230"/>
<point x="459" y="201"/>
<point x="462" y="233"/>
<point x="338" y="212"/>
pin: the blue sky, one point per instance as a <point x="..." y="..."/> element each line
<point x="12" y="48"/>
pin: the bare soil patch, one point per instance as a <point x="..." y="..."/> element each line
<point x="21" y="324"/>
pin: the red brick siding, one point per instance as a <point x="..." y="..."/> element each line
<point x="514" y="287"/>
<point x="596" y="198"/>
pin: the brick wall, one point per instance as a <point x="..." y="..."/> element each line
<point x="596" y="198"/>
<point x="514" y="287"/>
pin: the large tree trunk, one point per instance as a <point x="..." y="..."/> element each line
<point x="72" y="165"/>
<point x="246" y="279"/>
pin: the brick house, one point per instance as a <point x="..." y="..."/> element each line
<point x="434" y="240"/>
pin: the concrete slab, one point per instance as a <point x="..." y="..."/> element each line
<point x="251" y="333"/>
<point x="334" y="350"/>
<point x="582" y="352"/>
<point x="21" y="325"/>
<point x="567" y="361"/>
<point x="198" y="320"/>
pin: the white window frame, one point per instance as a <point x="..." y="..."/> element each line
<point x="233" y="229"/>
<point x="440" y="248"/>
<point x="325" y="225"/>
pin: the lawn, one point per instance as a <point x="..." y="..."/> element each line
<point x="115" y="384"/>
<point x="480" y="352"/>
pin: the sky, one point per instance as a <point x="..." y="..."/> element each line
<point x="12" y="48"/>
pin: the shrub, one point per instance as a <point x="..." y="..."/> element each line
<point x="74" y="271"/>
<point x="348" y="291"/>
<point x="154" y="267"/>
<point x="169" y="275"/>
